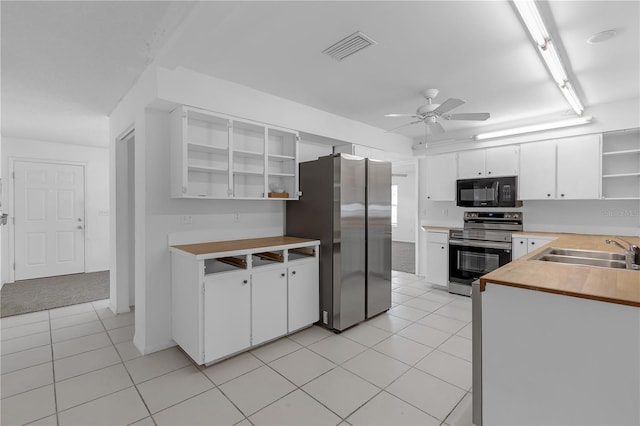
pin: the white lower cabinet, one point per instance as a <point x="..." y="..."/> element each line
<point x="229" y="300"/>
<point x="227" y="314"/>
<point x="303" y="295"/>
<point x="521" y="245"/>
<point x="268" y="305"/>
<point x="438" y="258"/>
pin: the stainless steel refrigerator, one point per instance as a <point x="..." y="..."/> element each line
<point x="346" y="204"/>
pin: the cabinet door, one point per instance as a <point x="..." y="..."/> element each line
<point x="536" y="243"/>
<point x="471" y="164"/>
<point x="227" y="313"/>
<point x="304" y="295"/>
<point x="441" y="177"/>
<point x="268" y="305"/>
<point x="579" y="168"/>
<point x="519" y="247"/>
<point x="537" y="171"/>
<point x="438" y="264"/>
<point x="502" y="161"/>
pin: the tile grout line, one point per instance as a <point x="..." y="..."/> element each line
<point x="125" y="369"/>
<point x="53" y="371"/>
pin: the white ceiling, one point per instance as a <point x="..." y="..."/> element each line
<point x="70" y="62"/>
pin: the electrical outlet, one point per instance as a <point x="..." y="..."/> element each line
<point x="236" y="217"/>
<point x="187" y="219"/>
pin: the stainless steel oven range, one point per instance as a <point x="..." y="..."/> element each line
<point x="484" y="244"/>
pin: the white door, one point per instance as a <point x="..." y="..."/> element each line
<point x="268" y="305"/>
<point x="441" y="177"/>
<point x="502" y="161"/>
<point x="537" y="171"/>
<point x="227" y="314"/>
<point x="579" y="168"/>
<point x="49" y="219"/>
<point x="304" y="296"/>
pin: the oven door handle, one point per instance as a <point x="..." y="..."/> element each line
<point x="482" y="244"/>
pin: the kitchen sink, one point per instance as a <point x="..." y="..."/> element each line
<point x="603" y="259"/>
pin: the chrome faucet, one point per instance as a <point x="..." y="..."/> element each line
<point x="631" y="253"/>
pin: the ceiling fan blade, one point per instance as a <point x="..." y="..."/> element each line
<point x="448" y="105"/>
<point x="434" y="129"/>
<point x="407" y="124"/>
<point x="400" y="115"/>
<point x="479" y="116"/>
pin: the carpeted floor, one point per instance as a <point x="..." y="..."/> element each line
<point x="53" y="292"/>
<point x="403" y="257"/>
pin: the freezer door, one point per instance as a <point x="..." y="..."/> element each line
<point x="349" y="244"/>
<point x="378" y="289"/>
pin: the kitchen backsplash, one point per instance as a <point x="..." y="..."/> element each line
<point x="606" y="217"/>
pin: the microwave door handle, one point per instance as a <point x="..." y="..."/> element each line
<point x="497" y="196"/>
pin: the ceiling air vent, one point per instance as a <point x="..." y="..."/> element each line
<point x="348" y="46"/>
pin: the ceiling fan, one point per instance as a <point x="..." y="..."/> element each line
<point x="430" y="113"/>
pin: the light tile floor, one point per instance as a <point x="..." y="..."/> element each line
<point x="77" y="365"/>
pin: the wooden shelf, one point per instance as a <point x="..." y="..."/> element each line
<point x="277" y="157"/>
<point x="282" y="174"/>
<point x="247" y="154"/>
<point x="206" y="148"/>
<point x="625" y="152"/>
<point x="194" y="168"/>
<point x="247" y="172"/>
<point x="617" y="175"/>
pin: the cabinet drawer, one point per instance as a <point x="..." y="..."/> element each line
<point x="437" y="237"/>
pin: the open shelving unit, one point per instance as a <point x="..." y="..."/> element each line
<point x="621" y="164"/>
<point x="219" y="156"/>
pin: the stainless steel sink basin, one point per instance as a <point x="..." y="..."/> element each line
<point x="603" y="259"/>
<point x="591" y="254"/>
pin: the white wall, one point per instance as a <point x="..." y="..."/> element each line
<point x="147" y="108"/>
<point x="96" y="161"/>
<point x="407" y="205"/>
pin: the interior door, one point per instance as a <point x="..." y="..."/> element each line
<point x="49" y="219"/>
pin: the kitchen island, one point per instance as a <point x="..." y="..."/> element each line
<point x="560" y="343"/>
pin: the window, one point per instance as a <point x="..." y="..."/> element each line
<point x="394" y="205"/>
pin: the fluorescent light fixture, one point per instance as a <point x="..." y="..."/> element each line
<point x="540" y="35"/>
<point x="534" y="128"/>
<point x="572" y="98"/>
<point x="552" y="59"/>
<point x="532" y="19"/>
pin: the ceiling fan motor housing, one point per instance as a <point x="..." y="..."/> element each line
<point x="426" y="109"/>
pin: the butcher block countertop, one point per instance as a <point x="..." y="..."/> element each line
<point x="231" y="247"/>
<point x="436" y="228"/>
<point x="604" y="284"/>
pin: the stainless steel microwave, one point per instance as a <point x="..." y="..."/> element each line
<point x="488" y="192"/>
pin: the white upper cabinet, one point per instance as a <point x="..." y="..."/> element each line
<point x="579" y="168"/>
<point x="218" y="156"/>
<point x="564" y="169"/>
<point x="441" y="177"/>
<point x="471" y="164"/>
<point x="489" y="162"/>
<point x="502" y="161"/>
<point x="537" y="171"/>
<point x="621" y="164"/>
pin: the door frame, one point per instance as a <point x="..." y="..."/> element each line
<point x="11" y="198"/>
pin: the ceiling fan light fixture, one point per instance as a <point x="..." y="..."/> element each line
<point x="534" y="128"/>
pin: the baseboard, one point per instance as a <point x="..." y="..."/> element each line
<point x="402" y="241"/>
